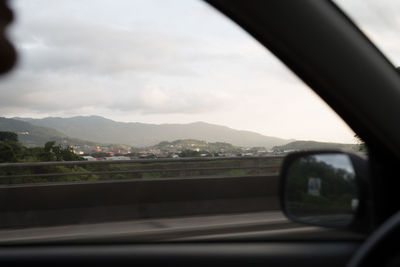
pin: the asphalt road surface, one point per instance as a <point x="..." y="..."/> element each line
<point x="166" y="229"/>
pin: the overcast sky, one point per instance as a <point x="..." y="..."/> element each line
<point x="162" y="61"/>
<point x="338" y="161"/>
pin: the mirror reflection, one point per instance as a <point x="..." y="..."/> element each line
<point x="321" y="189"/>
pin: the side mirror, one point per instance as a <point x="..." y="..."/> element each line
<point x="325" y="188"/>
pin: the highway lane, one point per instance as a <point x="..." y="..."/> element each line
<point x="153" y="229"/>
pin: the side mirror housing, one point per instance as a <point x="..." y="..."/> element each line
<point x="326" y="188"/>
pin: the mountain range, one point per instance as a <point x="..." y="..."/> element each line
<point x="31" y="135"/>
<point x="101" y="130"/>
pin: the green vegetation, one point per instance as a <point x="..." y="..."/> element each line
<point x="11" y="150"/>
<point x="189" y="147"/>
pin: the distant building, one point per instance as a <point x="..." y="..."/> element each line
<point x="89" y="158"/>
<point x="118" y="158"/>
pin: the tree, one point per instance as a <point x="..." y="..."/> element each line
<point x="13" y="151"/>
<point x="8" y="136"/>
<point x="7" y="153"/>
<point x="51" y="152"/>
<point x="67" y="154"/>
<point x="10" y="148"/>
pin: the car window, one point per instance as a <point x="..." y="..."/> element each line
<point x="167" y="104"/>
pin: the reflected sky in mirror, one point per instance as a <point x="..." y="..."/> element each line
<point x="338" y="161"/>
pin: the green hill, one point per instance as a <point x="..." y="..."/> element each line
<point x="30" y="135"/>
<point x="308" y="145"/>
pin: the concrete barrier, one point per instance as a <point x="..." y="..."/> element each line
<point x="91" y="202"/>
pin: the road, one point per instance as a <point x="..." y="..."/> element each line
<point x="166" y="229"/>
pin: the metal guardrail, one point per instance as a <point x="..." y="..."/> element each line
<point x="73" y="171"/>
<point x="105" y="162"/>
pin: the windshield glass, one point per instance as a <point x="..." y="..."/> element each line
<point x="152" y="119"/>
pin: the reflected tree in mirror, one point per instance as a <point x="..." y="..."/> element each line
<point x="321" y="189"/>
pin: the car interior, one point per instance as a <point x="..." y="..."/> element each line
<point x="325" y="49"/>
